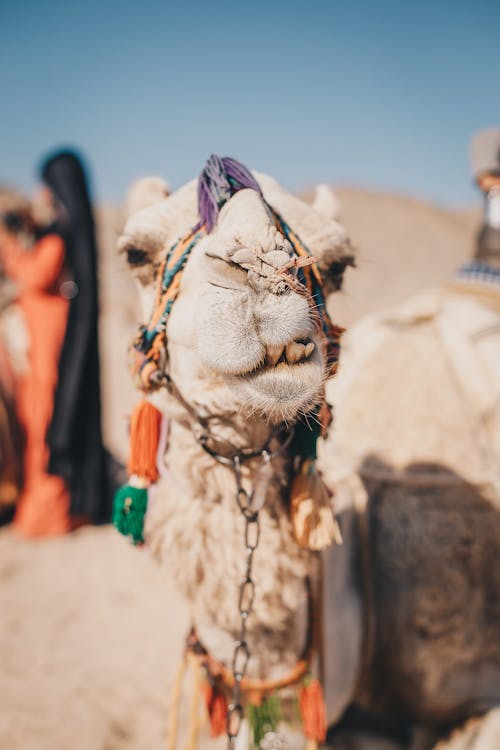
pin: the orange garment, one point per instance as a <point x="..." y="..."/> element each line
<point x="10" y="464"/>
<point x="44" y="505"/>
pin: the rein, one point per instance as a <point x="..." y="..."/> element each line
<point x="203" y="436"/>
<point x="239" y="457"/>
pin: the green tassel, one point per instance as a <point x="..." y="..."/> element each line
<point x="306" y="438"/>
<point x="264" y="718"/>
<point x="129" y="508"/>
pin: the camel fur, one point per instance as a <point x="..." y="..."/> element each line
<point x="417" y="449"/>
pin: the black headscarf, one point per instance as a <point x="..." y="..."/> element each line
<point x="74" y="435"/>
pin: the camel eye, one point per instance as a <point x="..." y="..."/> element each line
<point x="137" y="257"/>
<point x="336" y="269"/>
<point x="335" y="274"/>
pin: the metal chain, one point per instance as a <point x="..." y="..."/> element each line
<point x="241" y="655"/>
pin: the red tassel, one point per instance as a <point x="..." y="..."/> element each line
<point x="312" y="710"/>
<point x="216" y="704"/>
<point x="144" y="438"/>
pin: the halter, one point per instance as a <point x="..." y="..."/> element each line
<point x="150" y="345"/>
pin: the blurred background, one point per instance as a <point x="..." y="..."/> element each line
<point x="377" y="99"/>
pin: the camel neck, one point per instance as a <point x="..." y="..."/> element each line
<point x="195" y="503"/>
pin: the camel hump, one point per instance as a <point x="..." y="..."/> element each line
<point x="420" y="382"/>
<point x="469" y="333"/>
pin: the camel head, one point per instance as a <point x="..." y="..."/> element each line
<point x="242" y="334"/>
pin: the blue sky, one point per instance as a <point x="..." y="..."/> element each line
<point x="377" y="94"/>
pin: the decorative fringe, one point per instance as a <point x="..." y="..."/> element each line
<point x="312" y="710"/>
<point x="216" y="703"/>
<point x="129" y="508"/>
<point x="314" y="524"/>
<point x="195" y="715"/>
<point x="195" y="718"/>
<point x="144" y="437"/>
<point x="220" y="179"/>
<point x="264" y="717"/>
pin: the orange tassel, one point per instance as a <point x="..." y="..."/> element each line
<point x="312" y="710"/>
<point x="216" y="704"/>
<point x="144" y="438"/>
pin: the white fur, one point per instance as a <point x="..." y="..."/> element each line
<point x="326" y="202"/>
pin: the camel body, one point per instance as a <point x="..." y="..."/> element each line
<point x="416" y="449"/>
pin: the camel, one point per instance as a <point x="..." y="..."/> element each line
<point x="245" y="357"/>
<point x="417" y="442"/>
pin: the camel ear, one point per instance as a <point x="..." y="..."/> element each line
<point x="163" y="218"/>
<point x="332" y="267"/>
<point x="145" y="192"/>
<point x="326" y="203"/>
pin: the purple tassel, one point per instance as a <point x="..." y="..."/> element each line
<point x="220" y="179"/>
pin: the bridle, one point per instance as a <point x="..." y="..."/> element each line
<point x="199" y="426"/>
<point x="150" y="344"/>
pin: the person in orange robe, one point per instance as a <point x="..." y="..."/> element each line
<point x="43" y="507"/>
<point x="69" y="475"/>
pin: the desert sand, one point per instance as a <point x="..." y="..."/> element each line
<point x="91" y="630"/>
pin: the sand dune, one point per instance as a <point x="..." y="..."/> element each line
<point x="90" y="632"/>
<point x="403" y="245"/>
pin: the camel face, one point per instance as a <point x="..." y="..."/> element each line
<point x="241" y="331"/>
<point x="248" y="327"/>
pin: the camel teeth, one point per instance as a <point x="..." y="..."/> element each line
<point x="295" y="352"/>
<point x="274" y="352"/>
<point x="309" y="349"/>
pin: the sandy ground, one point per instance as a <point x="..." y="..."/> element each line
<point x="90" y="631"/>
<point x="90" y="639"/>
